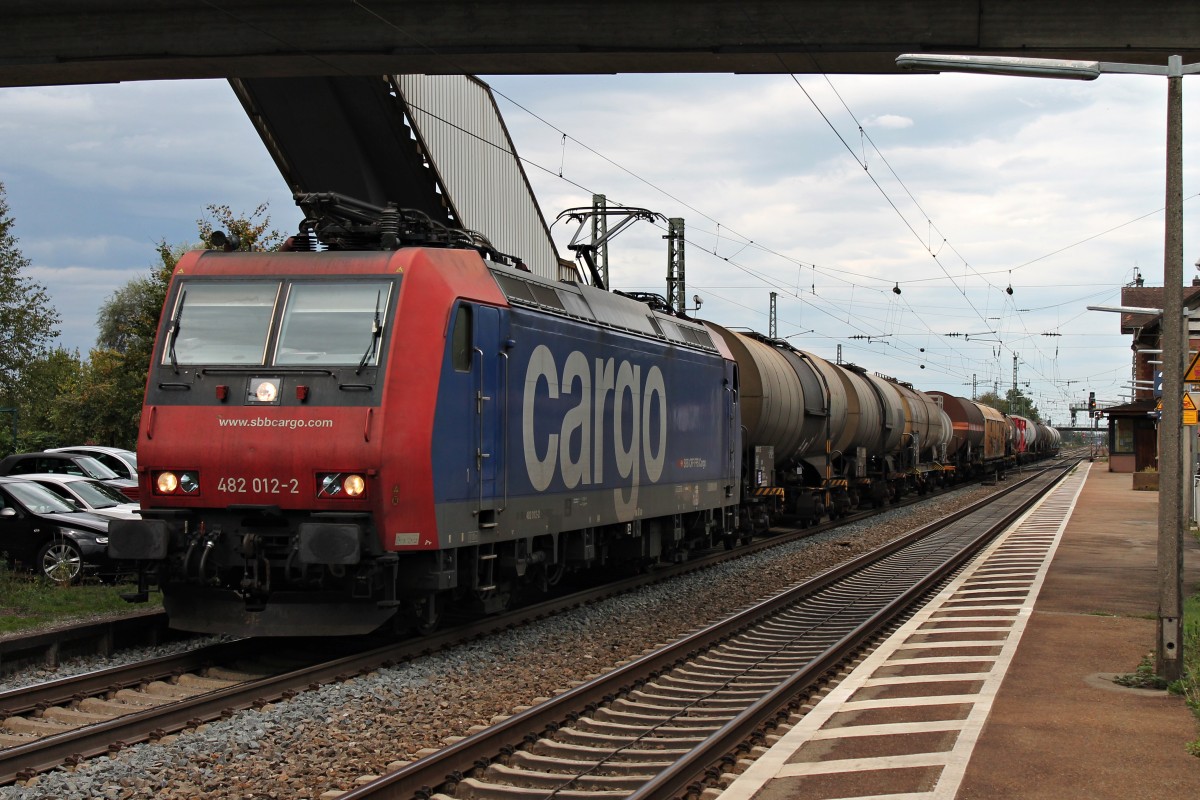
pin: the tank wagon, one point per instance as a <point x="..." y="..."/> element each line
<point x="334" y="442"/>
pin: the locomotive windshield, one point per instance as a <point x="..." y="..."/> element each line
<point x="332" y="324"/>
<point x="322" y="323"/>
<point x="221" y="323"/>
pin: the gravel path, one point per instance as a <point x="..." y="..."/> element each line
<point x="323" y="741"/>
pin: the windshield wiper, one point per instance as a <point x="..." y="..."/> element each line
<point x="174" y="333"/>
<point x="376" y="332"/>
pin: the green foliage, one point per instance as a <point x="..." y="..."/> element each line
<point x="1013" y="402"/>
<point x="28" y="322"/>
<point x="42" y="390"/>
<point x="101" y="402"/>
<point x="1143" y="677"/>
<point x="28" y="602"/>
<point x="253" y="232"/>
<point x="1189" y="687"/>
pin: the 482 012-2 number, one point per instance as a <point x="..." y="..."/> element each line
<point x="259" y="485"/>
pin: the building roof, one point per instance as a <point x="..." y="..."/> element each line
<point x="1149" y="297"/>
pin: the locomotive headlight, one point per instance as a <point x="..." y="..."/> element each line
<point x="346" y="485"/>
<point x="168" y="482"/>
<point x="189" y="482"/>
<point x="354" y="485"/>
<point x="263" y="390"/>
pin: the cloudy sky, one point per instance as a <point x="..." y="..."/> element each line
<point x="829" y="191"/>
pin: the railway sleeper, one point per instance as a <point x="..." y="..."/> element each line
<point x="532" y="779"/>
<point x="114" y="708"/>
<point x="655" y="705"/>
<point x="473" y="789"/>
<point x="634" y="727"/>
<point x="74" y="717"/>
<point x="37" y="727"/>
<point x="677" y="720"/>
<point x="573" y="735"/>
<point x="556" y="749"/>
<point x="701" y="699"/>
<point x="657" y="702"/>
<point x="527" y="760"/>
<point x="136" y="697"/>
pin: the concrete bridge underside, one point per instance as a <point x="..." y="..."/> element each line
<point x="82" y="41"/>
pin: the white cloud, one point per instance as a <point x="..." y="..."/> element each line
<point x="889" y="121"/>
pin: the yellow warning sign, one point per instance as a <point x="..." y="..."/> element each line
<point x="1193" y="371"/>
<point x="1190" y="413"/>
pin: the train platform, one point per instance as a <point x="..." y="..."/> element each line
<point x="1001" y="687"/>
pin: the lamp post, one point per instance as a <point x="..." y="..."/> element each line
<point x="1171" y="517"/>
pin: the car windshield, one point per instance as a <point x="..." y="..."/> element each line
<point x="97" y="495"/>
<point x="39" y="499"/>
<point x="94" y="469"/>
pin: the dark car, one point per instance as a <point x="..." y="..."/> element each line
<point x="46" y="533"/>
<point x="67" y="464"/>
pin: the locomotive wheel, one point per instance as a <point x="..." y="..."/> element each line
<point x="429" y="620"/>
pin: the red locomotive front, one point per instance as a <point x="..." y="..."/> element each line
<point x="262" y="461"/>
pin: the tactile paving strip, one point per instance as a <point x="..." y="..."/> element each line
<point x="903" y="724"/>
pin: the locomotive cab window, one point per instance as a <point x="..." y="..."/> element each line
<point x="221" y="323"/>
<point x="329" y="324"/>
<point x="460" y="339"/>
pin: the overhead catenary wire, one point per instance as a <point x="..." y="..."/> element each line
<point x="849" y="278"/>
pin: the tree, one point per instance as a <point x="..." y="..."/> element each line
<point x="253" y="232"/>
<point x="1013" y="402"/>
<point x="994" y="400"/>
<point x="43" y="383"/>
<point x="28" y="323"/>
<point x="104" y="404"/>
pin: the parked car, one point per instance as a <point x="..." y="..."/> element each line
<point x="67" y="464"/>
<point x="46" y="533"/>
<point x="122" y="462"/>
<point x="88" y="494"/>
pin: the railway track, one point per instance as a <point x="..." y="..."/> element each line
<point x="72" y="719"/>
<point x="657" y="726"/>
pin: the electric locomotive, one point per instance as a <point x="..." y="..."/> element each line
<point x="337" y="441"/>
<point x="341" y="441"/>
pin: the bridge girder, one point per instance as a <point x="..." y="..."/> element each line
<point x="45" y="42"/>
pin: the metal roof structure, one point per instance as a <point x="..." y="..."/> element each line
<point x="433" y="143"/>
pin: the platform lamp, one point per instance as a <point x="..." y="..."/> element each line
<point x="1169" y="645"/>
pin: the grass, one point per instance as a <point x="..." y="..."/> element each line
<point x="1189" y="685"/>
<point x="28" y="602"/>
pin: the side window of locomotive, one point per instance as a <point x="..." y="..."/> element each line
<point x="460" y="339"/>
<point x="330" y="324"/>
<point x="221" y="323"/>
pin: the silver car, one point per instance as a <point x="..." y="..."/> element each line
<point x="88" y="494"/>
